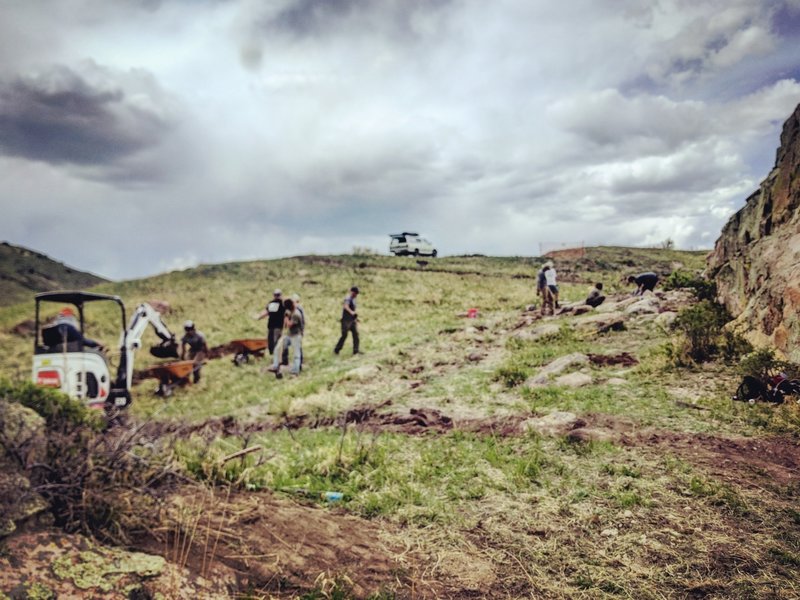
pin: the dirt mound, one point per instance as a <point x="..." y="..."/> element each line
<point x="24" y="328"/>
<point x="607" y="360"/>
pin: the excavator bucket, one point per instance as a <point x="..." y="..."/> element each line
<point x="167" y="349"/>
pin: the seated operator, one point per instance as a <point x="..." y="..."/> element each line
<point x="65" y="329"/>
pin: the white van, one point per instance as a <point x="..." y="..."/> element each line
<point x="406" y="243"/>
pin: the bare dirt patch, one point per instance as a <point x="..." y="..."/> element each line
<point x="274" y="545"/>
<point x="748" y="462"/>
<point x="608" y="360"/>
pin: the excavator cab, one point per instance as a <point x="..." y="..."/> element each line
<point x="65" y="359"/>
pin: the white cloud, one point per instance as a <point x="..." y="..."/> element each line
<point x="305" y="126"/>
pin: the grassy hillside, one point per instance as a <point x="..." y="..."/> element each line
<point x="24" y="272"/>
<point x="672" y="496"/>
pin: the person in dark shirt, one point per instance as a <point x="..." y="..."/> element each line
<point x="595" y="297"/>
<point x="274" y="311"/>
<point x="644" y="282"/>
<point x="195" y="343"/>
<point x="349" y="321"/>
<point x="292" y="338"/>
<point x="65" y="328"/>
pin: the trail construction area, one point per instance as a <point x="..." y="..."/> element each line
<point x="507" y="455"/>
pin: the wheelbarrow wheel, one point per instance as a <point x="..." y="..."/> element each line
<point x="750" y="390"/>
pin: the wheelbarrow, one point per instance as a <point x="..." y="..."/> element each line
<point x="244" y="349"/>
<point x="169" y="375"/>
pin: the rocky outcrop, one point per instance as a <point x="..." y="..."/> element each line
<point x="22" y="442"/>
<point x="756" y="260"/>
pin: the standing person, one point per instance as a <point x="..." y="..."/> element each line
<point x="349" y="321"/>
<point x="644" y="282"/>
<point x="195" y="343"/>
<point x="596" y="297"/>
<point x="550" y="277"/>
<point x="299" y="308"/>
<point x="274" y="312"/>
<point x="291" y="338"/>
<point x="541" y="283"/>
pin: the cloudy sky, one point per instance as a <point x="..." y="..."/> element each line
<point x="140" y="136"/>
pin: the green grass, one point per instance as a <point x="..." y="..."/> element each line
<point x="554" y="517"/>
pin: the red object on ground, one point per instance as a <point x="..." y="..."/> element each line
<point x="472" y="313"/>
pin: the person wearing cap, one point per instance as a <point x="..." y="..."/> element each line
<point x="549" y="290"/>
<point x="195" y="343"/>
<point x="275" y="313"/>
<point x="69" y="330"/>
<point x="349" y="321"/>
<point x="292" y="338"/>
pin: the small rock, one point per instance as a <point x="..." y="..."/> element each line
<point x="610" y="532"/>
<point x="475" y="357"/>
<point x="363" y="373"/>
<point x="586" y="434"/>
<point x="574" y="380"/>
<point x="616" y="381"/>
<point x="666" y="319"/>
<point x="556" y="423"/>
<point x="648" y="305"/>
<point x="542" y="331"/>
<point x="555" y="367"/>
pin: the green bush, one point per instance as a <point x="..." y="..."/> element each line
<point x="701" y="326"/>
<point x="702" y="288"/>
<point x="57" y="409"/>
<point x="763" y="364"/>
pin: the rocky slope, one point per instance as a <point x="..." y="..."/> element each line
<point x="756" y="260"/>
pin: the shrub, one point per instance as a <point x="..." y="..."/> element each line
<point x="763" y="364"/>
<point x="702" y="288"/>
<point x="701" y="326"/>
<point x="102" y="483"/>
<point x="733" y="346"/>
<point x="59" y="411"/>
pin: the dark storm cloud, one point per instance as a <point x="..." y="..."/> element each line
<point x="304" y="18"/>
<point x="61" y="117"/>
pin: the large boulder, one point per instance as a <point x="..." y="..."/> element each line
<point x="22" y="432"/>
<point x="645" y="306"/>
<point x="756" y="260"/>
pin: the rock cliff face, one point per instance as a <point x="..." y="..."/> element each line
<point x="756" y="260"/>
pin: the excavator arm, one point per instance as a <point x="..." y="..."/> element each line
<point x="131" y="341"/>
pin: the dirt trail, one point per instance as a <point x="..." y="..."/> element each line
<point x="748" y="462"/>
